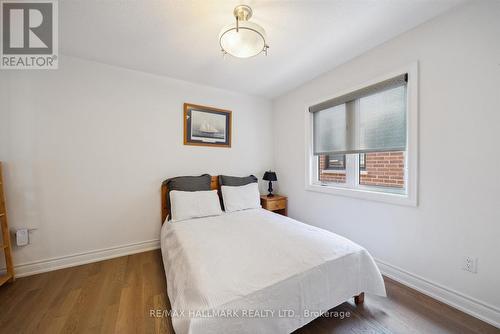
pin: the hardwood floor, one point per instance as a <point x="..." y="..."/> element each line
<point x="116" y="296"/>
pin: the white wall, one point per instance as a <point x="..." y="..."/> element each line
<point x="459" y="183"/>
<point x="87" y="146"/>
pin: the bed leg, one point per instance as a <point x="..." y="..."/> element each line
<point x="359" y="299"/>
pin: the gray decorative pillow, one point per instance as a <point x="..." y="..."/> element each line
<point x="188" y="183"/>
<point x="235" y="181"/>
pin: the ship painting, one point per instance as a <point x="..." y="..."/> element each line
<point x="207" y="126"/>
<point x="208" y="130"/>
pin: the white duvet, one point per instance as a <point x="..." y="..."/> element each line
<point x="254" y="271"/>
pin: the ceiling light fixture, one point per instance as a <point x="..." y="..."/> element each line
<point x="243" y="39"/>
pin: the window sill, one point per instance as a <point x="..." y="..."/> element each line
<point x="366" y="194"/>
<point x="333" y="171"/>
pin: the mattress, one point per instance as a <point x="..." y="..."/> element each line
<point x="255" y="271"/>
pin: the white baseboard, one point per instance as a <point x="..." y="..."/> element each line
<point x="476" y="308"/>
<point x="41" y="266"/>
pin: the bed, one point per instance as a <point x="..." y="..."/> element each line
<point x="255" y="271"/>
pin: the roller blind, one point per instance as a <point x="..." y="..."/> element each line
<point x="372" y="119"/>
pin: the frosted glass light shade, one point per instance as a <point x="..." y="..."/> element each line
<point x="248" y="41"/>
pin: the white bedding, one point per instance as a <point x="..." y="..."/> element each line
<point x="254" y="271"/>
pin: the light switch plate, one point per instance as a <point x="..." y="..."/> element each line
<point x="22" y="237"/>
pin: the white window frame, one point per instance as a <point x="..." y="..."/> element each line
<point x="352" y="188"/>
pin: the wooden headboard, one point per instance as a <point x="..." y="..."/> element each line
<point x="214" y="185"/>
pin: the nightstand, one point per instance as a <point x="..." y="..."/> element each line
<point x="277" y="204"/>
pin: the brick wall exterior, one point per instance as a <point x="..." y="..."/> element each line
<point x="382" y="169"/>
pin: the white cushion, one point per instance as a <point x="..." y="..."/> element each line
<point x="194" y="204"/>
<point x="241" y="198"/>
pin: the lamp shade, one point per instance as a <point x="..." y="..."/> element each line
<point x="247" y="41"/>
<point x="270" y="176"/>
<point x="243" y="39"/>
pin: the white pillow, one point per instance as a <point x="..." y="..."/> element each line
<point x="194" y="204"/>
<point x="241" y="198"/>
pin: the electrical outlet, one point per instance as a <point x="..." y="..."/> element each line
<point x="470" y="264"/>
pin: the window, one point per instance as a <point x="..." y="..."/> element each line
<point x="362" y="162"/>
<point x="363" y="143"/>
<point x="331" y="168"/>
<point x="335" y="162"/>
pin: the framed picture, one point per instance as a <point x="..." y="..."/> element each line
<point x="206" y="126"/>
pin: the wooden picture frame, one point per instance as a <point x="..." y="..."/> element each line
<point x="207" y="126"/>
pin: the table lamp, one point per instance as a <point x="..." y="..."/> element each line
<point x="270" y="176"/>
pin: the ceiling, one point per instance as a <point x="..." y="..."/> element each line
<point x="179" y="39"/>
